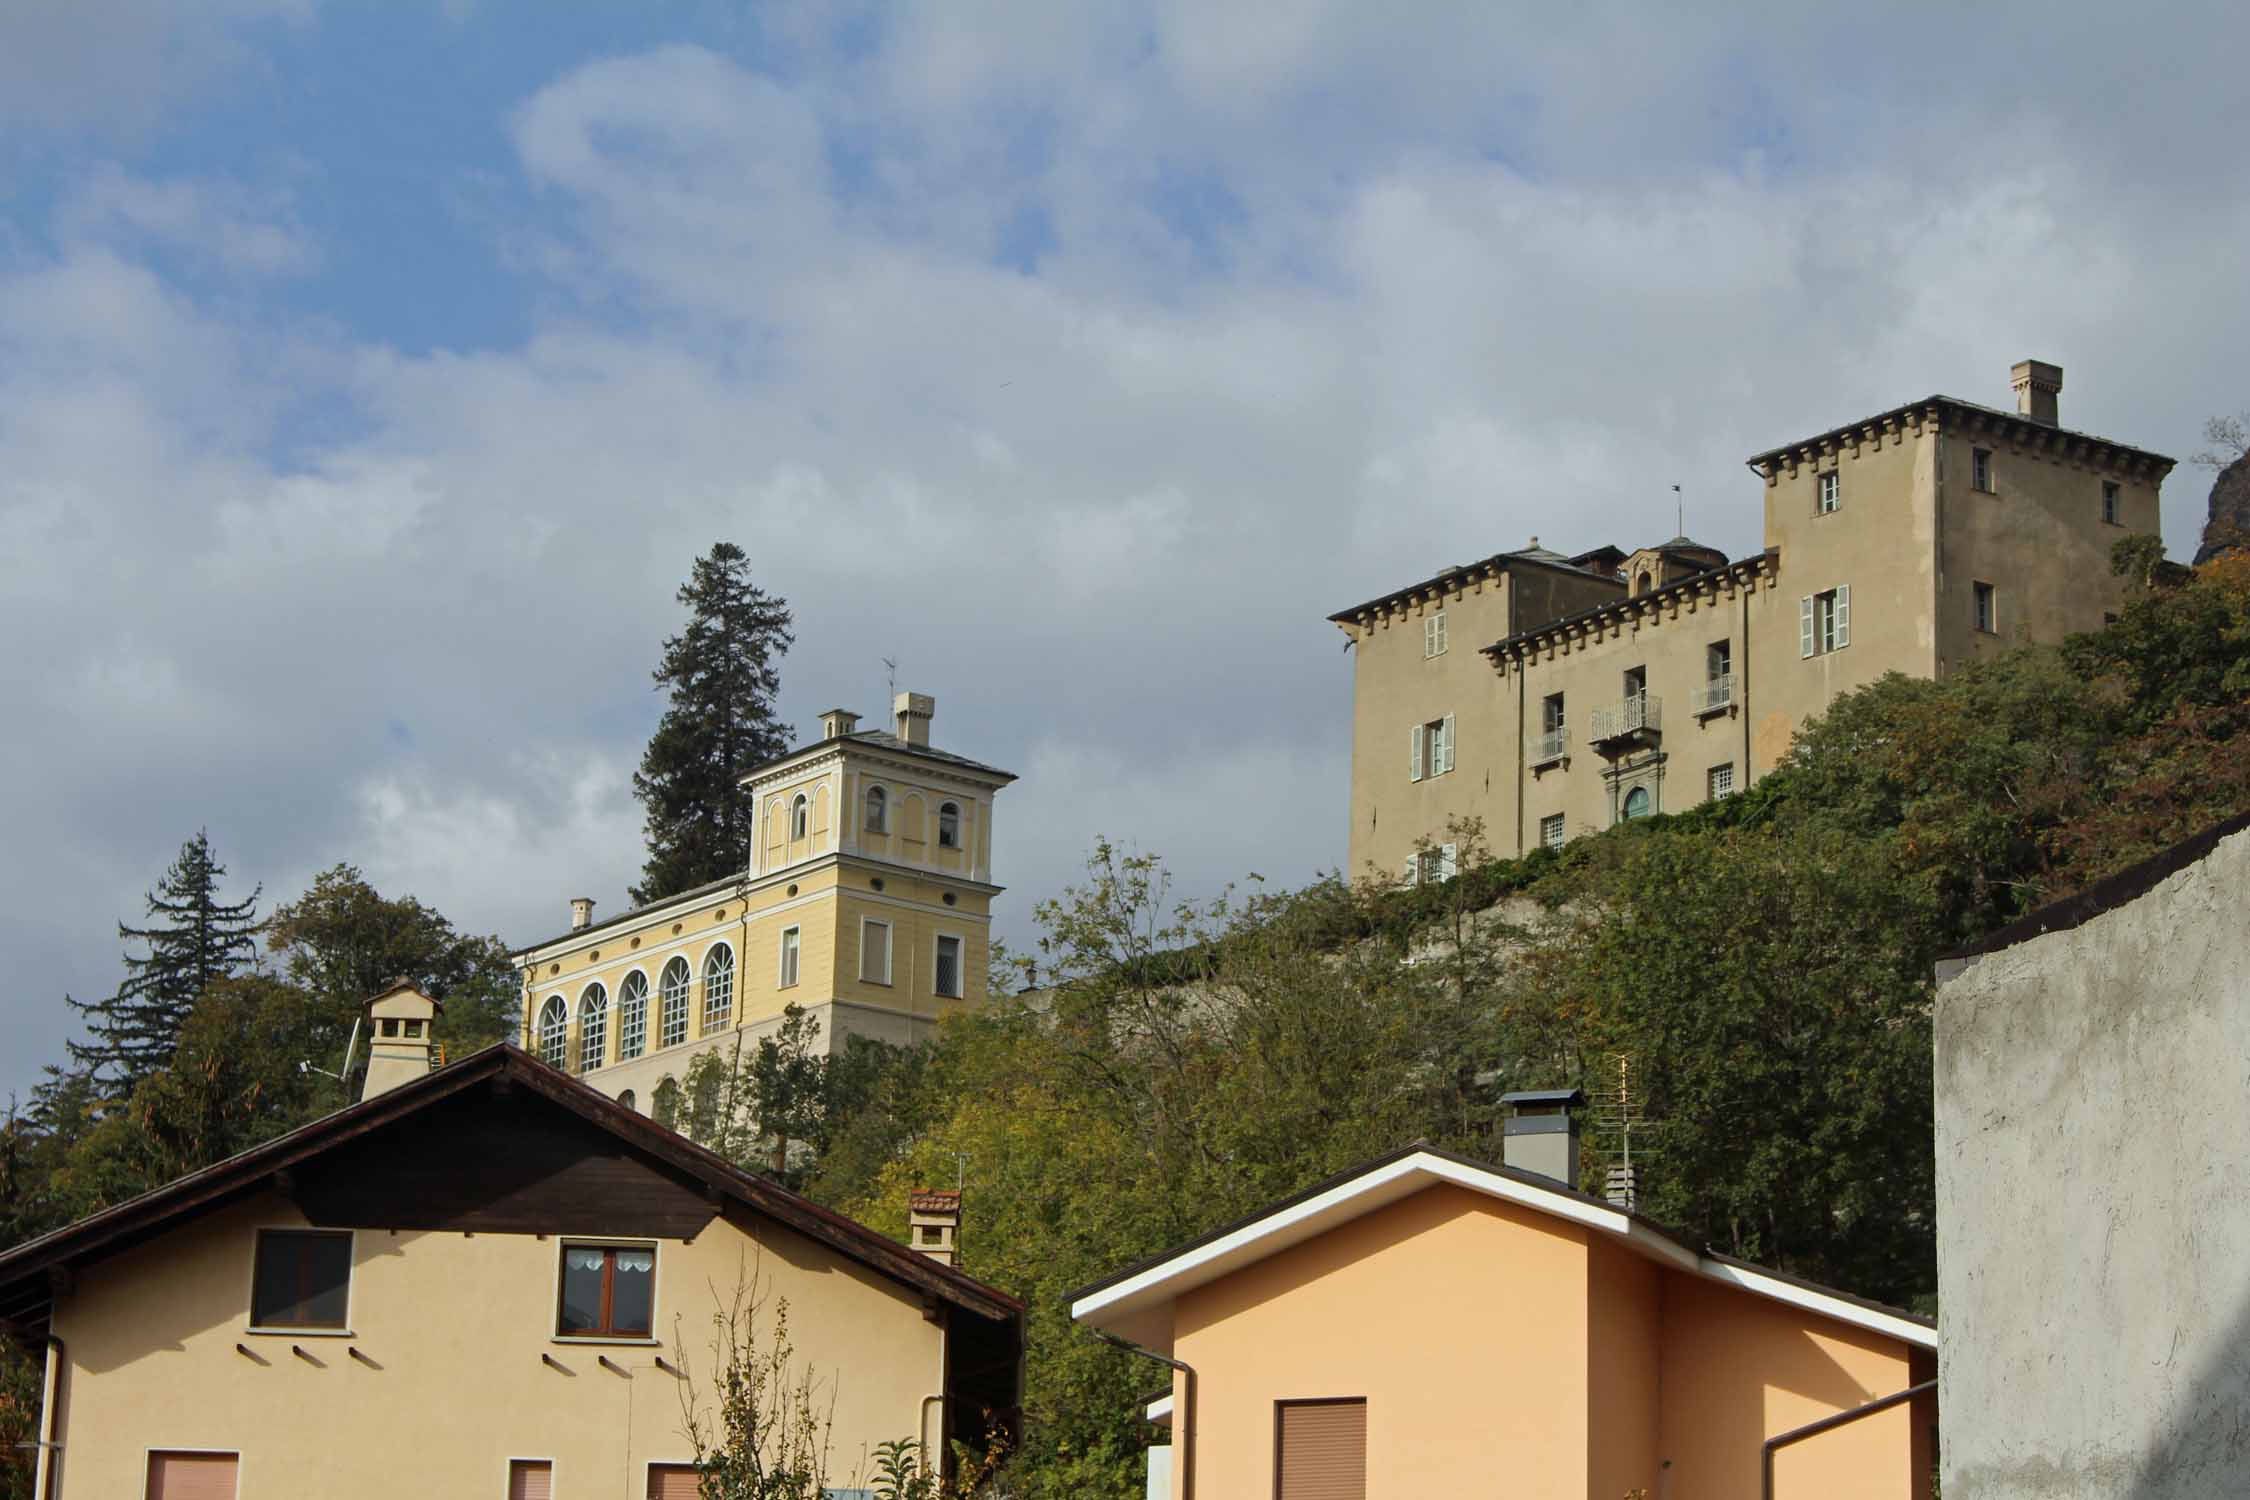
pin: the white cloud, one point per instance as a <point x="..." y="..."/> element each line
<point x="115" y="63"/>
<point x="223" y="222"/>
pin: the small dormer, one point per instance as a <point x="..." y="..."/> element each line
<point x="401" y="1037"/>
<point x="1652" y="568"/>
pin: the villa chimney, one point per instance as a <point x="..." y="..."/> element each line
<point x="914" y="710"/>
<point x="933" y="1224"/>
<point x="581" y="912"/>
<point x="401" y="1037"/>
<point x="2037" y="385"/>
<point x="1540" y="1134"/>
<point x="838" y="722"/>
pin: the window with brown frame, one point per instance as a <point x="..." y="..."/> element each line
<point x="302" y="1279"/>
<point x="608" y="1291"/>
<point x="1320" y="1449"/>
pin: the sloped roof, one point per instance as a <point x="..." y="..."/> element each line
<point x="1760" y="461"/>
<point x="1123" y="1299"/>
<point x="1543" y="557"/>
<point x="880" y="739"/>
<point x="25" y="1286"/>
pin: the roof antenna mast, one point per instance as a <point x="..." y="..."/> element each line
<point x="890" y="680"/>
<point x="1679" y="513"/>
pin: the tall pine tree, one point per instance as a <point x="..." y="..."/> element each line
<point x="196" y="940"/>
<point x="722" y="673"/>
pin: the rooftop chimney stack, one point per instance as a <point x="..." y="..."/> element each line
<point x="1540" y="1134"/>
<point x="2037" y="384"/>
<point x="933" y="1224"/>
<point x="838" y="722"/>
<point x="915" y="710"/>
<point x="581" y="912"/>
<point x="401" y="1037"/>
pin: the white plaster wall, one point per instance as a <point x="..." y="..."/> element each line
<point x="2093" y="1179"/>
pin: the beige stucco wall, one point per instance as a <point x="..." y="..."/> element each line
<point x="1504" y="1350"/>
<point x="449" y="1383"/>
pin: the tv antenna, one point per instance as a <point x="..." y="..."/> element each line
<point x="1617" y="1116"/>
<point x="1679" y="513"/>
<point x="351" y="1046"/>
<point x="890" y="682"/>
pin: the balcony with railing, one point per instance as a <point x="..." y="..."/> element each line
<point x="1637" y="717"/>
<point x="1546" y="747"/>
<point x="1714" y="695"/>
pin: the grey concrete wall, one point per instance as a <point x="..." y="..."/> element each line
<point x="2093" y="1180"/>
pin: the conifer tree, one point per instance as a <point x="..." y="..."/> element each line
<point x="196" y="940"/>
<point x="722" y="673"/>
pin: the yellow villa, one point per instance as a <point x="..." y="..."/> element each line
<point x="867" y="903"/>
<point x="485" y="1279"/>
<point x="1552" y="695"/>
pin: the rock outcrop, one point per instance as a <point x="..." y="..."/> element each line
<point x="2228" y="530"/>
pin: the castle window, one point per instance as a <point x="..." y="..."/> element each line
<point x="593" y="1027"/>
<point x="800" y="816"/>
<point x="1637" y="804"/>
<point x="947" y="980"/>
<point x="1433" y="633"/>
<point x="718" y="988"/>
<point x="2109" y="502"/>
<point x="949" y="825"/>
<point x="632" y="1015"/>
<point x="1831" y="492"/>
<point x="673" y="1002"/>
<point x="1721" y="781"/>
<point x="626" y="1099"/>
<point x="608" y="1291"/>
<point x="1988" y="608"/>
<point x="302" y="1279"/>
<point x="1980" y="469"/>
<point x="874" y="951"/>
<point x="1551" y="833"/>
<point x="1642" y="582"/>
<point x="878" y="810"/>
<point x="1824" y="621"/>
<point x="1430" y="752"/>
<point x="791" y="951"/>
<point x="554" y="1032"/>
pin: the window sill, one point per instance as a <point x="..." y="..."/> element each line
<point x="882" y="984"/>
<point x="300" y="1333"/>
<point x="613" y="1340"/>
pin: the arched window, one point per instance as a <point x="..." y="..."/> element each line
<point x="1641" y="584"/>
<point x="626" y="1099"/>
<point x="718" y="989"/>
<point x="554" y="1032"/>
<point x="878" y="810"/>
<point x="800" y="816"/>
<point x="593" y="1028"/>
<point x="949" y="825"/>
<point x="632" y="1015"/>
<point x="664" y="1104"/>
<point x="1636" y="802"/>
<point x="672" y="1002"/>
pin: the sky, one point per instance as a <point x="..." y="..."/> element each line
<point x="370" y="377"/>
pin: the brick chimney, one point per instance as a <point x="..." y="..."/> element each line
<point x="2037" y="384"/>
<point x="581" y="912"/>
<point x="1541" y="1133"/>
<point x="914" y="711"/>
<point x="933" y="1224"/>
<point x="401" y="1037"/>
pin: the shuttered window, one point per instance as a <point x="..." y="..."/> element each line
<point x="1321" y="1450"/>
<point x="874" y="952"/>
<point x="191" y="1476"/>
<point x="671" y="1482"/>
<point x="303" y="1279"/>
<point x="1433" y="634"/>
<point x="531" y="1479"/>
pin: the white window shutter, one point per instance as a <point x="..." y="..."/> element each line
<point x="1843" y="615"/>
<point x="1804" y="626"/>
<point x="1445" y="744"/>
<point x="1414" y="754"/>
<point x="1448" y="866"/>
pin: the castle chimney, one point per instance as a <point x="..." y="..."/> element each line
<point x="914" y="710"/>
<point x="1541" y="1133"/>
<point x="838" y="722"/>
<point x="581" y="912"/>
<point x="401" y="1037"/>
<point x="933" y="1224"/>
<point x="2037" y="384"/>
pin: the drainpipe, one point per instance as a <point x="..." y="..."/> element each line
<point x="43" y="1469"/>
<point x="1183" y="1420"/>
<point x="1749" y="771"/>
<point x="1829" y="1424"/>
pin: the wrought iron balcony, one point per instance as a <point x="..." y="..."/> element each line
<point x="1640" y="714"/>
<point x="1549" y="747"/>
<point x="1713" y="695"/>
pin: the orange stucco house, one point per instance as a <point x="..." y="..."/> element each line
<point x="1431" y="1325"/>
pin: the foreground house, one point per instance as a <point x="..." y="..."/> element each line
<point x="2092" y="1195"/>
<point x="1431" y="1325"/>
<point x="486" y="1279"/>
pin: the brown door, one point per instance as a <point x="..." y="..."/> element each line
<point x="531" y="1479"/>
<point x="671" y="1482"/>
<point x="191" y="1476"/>
<point x="1320" y="1450"/>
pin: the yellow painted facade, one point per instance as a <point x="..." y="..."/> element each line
<point x="1912" y="542"/>
<point x="450" y="1367"/>
<point x="868" y="903"/>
